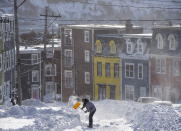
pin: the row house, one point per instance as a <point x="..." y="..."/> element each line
<point x="7" y="57"/>
<point x="106" y="79"/>
<point x="32" y="71"/>
<point x="133" y="50"/>
<point x="78" y="45"/>
<point x="165" y="61"/>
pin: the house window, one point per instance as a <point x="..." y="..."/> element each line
<point x="50" y="70"/>
<point x="142" y="91"/>
<point x="35" y="76"/>
<point x="176" y="68"/>
<point x="99" y="68"/>
<point x="4" y="61"/>
<point x="129" y="46"/>
<point x="35" y="92"/>
<point x="34" y="58"/>
<point x="68" y="79"/>
<point x="159" y="40"/>
<point x="108" y="72"/>
<point x="1" y="62"/>
<point x="68" y="36"/>
<point x="87" y="77"/>
<point x="50" y="52"/>
<point x="116" y="70"/>
<point x="87" y="56"/>
<point x="86" y="36"/>
<point x="51" y="90"/>
<point x="112" y="46"/>
<point x="140" y="46"/>
<point x="7" y="60"/>
<point x="129" y="70"/>
<point x="172" y="42"/>
<point x="160" y="65"/>
<point x="140" y="71"/>
<point x="68" y="57"/>
<point x="129" y="92"/>
<point x="98" y="46"/>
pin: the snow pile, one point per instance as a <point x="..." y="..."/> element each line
<point x="38" y="116"/>
<point x="141" y="116"/>
<point x="111" y="115"/>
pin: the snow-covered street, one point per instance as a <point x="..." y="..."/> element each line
<point x="111" y="115"/>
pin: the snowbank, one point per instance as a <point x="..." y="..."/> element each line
<point x="111" y="115"/>
<point x="141" y="116"/>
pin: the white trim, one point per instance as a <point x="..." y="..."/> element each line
<point x="35" y="72"/>
<point x="1" y="62"/>
<point x="86" y="36"/>
<point x="132" y="86"/>
<point x="87" y="77"/>
<point x="33" y="58"/>
<point x="141" y="71"/>
<point x="171" y="38"/>
<point x="160" y="64"/>
<point x="87" y="55"/>
<point x="159" y="39"/>
<point x="140" y="43"/>
<point x="129" y="43"/>
<point x="133" y="70"/>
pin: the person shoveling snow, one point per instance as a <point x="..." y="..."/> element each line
<point x="90" y="108"/>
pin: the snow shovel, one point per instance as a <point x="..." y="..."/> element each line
<point x="76" y="105"/>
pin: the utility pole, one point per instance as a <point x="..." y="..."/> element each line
<point x="45" y="41"/>
<point x="18" y="81"/>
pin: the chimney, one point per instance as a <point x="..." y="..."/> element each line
<point x="170" y="23"/>
<point x="129" y="25"/>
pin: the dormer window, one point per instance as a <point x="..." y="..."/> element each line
<point x="129" y="46"/>
<point x="172" y="42"/>
<point x="159" y="39"/>
<point x="112" y="46"/>
<point x="140" y="46"/>
<point x="98" y="46"/>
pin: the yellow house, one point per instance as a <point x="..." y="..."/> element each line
<point x="107" y="80"/>
<point x="107" y="73"/>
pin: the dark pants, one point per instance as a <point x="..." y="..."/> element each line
<point x="90" y="118"/>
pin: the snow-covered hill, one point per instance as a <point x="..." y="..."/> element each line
<point x="111" y="115"/>
<point x="96" y="9"/>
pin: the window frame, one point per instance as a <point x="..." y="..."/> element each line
<point x="86" y="36"/>
<point x="37" y="75"/>
<point x="129" y="86"/>
<point x="68" y="60"/>
<point x="33" y="59"/>
<point x="129" y="64"/>
<point x="172" y="42"/>
<point x="87" y="56"/>
<point x="70" y="81"/>
<point x="141" y="71"/>
<point x="87" y="77"/>
<point x="99" y="71"/>
<point x="160" y="42"/>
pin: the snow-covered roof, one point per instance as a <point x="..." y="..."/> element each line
<point x="37" y="48"/>
<point x="99" y="26"/>
<point x="126" y="35"/>
<point x="167" y="27"/>
<point x="149" y="35"/>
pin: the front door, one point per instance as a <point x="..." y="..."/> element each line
<point x="102" y="93"/>
<point x="112" y="92"/>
